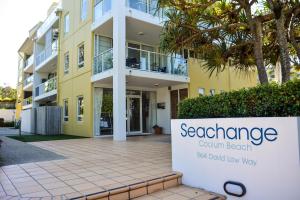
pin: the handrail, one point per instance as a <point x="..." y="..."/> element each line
<point x="155" y="53"/>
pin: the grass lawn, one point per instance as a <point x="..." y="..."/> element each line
<point x="37" y="138"/>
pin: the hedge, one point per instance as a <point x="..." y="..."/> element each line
<point x="270" y="100"/>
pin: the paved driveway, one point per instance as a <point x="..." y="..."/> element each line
<point x="91" y="165"/>
<point x="16" y="152"/>
<point x="8" y="131"/>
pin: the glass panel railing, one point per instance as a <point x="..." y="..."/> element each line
<point x="46" y="53"/>
<point x="28" y="80"/>
<point x="27" y="101"/>
<point x="101" y="7"/>
<point x="29" y="61"/>
<point x="147" y="6"/>
<point x="103" y="62"/>
<point x="156" y="62"/>
<point x="46" y="87"/>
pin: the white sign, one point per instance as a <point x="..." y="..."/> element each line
<point x="262" y="154"/>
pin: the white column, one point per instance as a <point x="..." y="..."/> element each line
<point x="36" y="76"/>
<point x="119" y="78"/>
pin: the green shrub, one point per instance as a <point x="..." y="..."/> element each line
<point x="7" y="124"/>
<point x="262" y="101"/>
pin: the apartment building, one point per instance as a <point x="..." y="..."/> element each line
<point x="99" y="60"/>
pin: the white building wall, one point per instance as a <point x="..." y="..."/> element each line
<point x="8" y="115"/>
<point x="164" y="115"/>
<point x="27" y="121"/>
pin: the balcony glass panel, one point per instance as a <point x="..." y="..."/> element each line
<point x="46" y="53"/>
<point x="147" y="6"/>
<point x="27" y="101"/>
<point x="46" y="87"/>
<point x="101" y="7"/>
<point x="156" y="62"/>
<point x="103" y="61"/>
<point x="28" y="80"/>
<point x="29" y="61"/>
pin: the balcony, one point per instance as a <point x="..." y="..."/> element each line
<point x="156" y="62"/>
<point x="46" y="90"/>
<point x="51" y="19"/>
<point x="28" y="64"/>
<point x="27" y="103"/>
<point x="103" y="62"/>
<point x="101" y="8"/>
<point x="147" y="6"/>
<point x="48" y="55"/>
<point x="102" y="14"/>
<point x="28" y="82"/>
<point x="143" y="60"/>
<point x="143" y="68"/>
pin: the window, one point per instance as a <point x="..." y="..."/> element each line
<point x="67" y="23"/>
<point x="67" y="63"/>
<point x="80" y="108"/>
<point x="212" y="92"/>
<point x="201" y="91"/>
<point x="81" y="56"/>
<point x="83" y="10"/>
<point x="66" y="110"/>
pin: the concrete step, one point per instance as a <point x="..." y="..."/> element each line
<point x="148" y="188"/>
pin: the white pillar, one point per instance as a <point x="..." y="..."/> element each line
<point x="119" y="78"/>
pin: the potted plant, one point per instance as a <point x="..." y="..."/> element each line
<point x="157" y="129"/>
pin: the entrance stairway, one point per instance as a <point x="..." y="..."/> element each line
<point x="140" y="189"/>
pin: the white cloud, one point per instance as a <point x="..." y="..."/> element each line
<point x="16" y="19"/>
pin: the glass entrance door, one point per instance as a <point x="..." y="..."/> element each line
<point x="134" y="114"/>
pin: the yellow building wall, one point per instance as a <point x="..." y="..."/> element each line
<point x="227" y="80"/>
<point x="20" y="92"/>
<point x="78" y="81"/>
<point x="19" y="101"/>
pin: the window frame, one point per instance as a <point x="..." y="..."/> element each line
<point x="66" y="69"/>
<point x="212" y="92"/>
<point x="66" y="105"/>
<point x="66" y="25"/>
<point x="79" y="117"/>
<point x="80" y="64"/>
<point x="82" y="10"/>
<point x="202" y="89"/>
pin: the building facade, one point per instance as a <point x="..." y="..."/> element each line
<point x="100" y="61"/>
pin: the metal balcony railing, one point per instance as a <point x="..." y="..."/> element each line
<point x="46" y="53"/>
<point x="156" y="62"/>
<point x="46" y="87"/>
<point x="27" y="101"/>
<point x="103" y="61"/>
<point x="29" y="61"/>
<point x="28" y="80"/>
<point x="101" y="7"/>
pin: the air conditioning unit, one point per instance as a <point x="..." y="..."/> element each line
<point x="55" y="34"/>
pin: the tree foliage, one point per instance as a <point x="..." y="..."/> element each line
<point x="8" y="93"/>
<point x="244" y="34"/>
